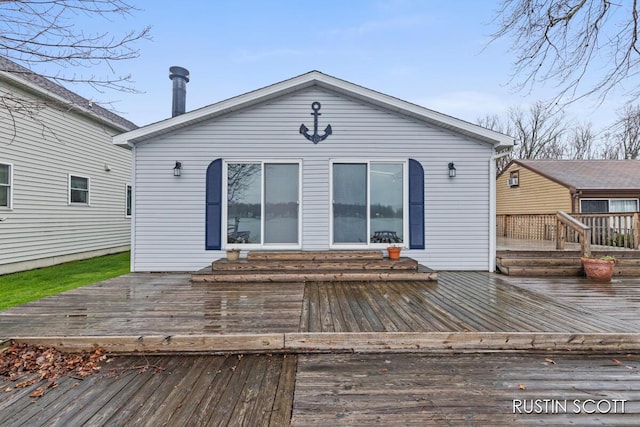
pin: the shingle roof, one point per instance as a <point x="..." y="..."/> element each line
<point x="47" y="85"/>
<point x="589" y="174"/>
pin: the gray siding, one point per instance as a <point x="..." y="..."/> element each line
<point x="170" y="211"/>
<point x="42" y="228"/>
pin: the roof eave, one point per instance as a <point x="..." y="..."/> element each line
<point x="8" y="76"/>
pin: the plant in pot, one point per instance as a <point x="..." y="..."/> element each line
<point x="600" y="269"/>
<point x="233" y="254"/>
<point x="394" y="251"/>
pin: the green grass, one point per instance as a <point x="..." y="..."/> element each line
<point x="20" y="288"/>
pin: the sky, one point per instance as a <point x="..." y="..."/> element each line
<point x="433" y="53"/>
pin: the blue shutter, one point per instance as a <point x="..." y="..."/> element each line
<point x="416" y="205"/>
<point x="213" y="223"/>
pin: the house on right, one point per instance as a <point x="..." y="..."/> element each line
<point x="602" y="194"/>
<point x="573" y="186"/>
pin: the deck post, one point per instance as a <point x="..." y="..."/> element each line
<point x="560" y="235"/>
<point x="585" y="244"/>
<point x="636" y="231"/>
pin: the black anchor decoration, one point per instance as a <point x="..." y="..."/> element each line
<point x="315" y="138"/>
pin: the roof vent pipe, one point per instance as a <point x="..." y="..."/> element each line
<point x="180" y="77"/>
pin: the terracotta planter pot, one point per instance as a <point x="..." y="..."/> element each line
<point x="598" y="269"/>
<point x="394" y="252"/>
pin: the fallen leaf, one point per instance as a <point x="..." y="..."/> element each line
<point x="8" y="389"/>
<point x="550" y="361"/>
<point x="26" y="383"/>
<point x="39" y="392"/>
<point x="616" y="361"/>
<point x="521" y="387"/>
<point x="233" y="368"/>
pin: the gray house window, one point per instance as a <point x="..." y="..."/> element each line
<point x="5" y="185"/>
<point x="78" y="190"/>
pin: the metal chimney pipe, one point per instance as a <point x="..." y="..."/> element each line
<point x="180" y="78"/>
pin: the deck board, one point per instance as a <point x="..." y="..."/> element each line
<point x="347" y="389"/>
<point x="191" y="390"/>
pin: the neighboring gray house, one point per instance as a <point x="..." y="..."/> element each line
<point x="313" y="163"/>
<point x="63" y="185"/>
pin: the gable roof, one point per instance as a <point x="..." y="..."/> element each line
<point x="588" y="174"/>
<point x="21" y="76"/>
<point x="315" y="78"/>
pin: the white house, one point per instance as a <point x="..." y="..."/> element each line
<point x="63" y="185"/>
<point x="312" y="163"/>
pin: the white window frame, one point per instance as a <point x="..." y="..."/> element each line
<point x="225" y="220"/>
<point x="69" y="190"/>
<point x="609" y="202"/>
<point x="128" y="209"/>
<point x="405" y="203"/>
<point x="10" y="185"/>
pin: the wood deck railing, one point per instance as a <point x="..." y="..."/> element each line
<point x="607" y="229"/>
<point x="564" y="222"/>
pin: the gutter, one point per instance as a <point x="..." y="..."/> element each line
<point x="492" y="208"/>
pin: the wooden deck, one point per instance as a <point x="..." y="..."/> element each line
<point x="357" y="353"/>
<point x="336" y="390"/>
<point x="463" y="311"/>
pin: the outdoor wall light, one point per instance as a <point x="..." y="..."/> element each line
<point x="452" y="170"/>
<point x="177" y="168"/>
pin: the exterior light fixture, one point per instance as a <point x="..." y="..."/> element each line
<point x="452" y="170"/>
<point x="177" y="168"/>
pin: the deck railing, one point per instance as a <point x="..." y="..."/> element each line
<point x="564" y="223"/>
<point x="607" y="229"/>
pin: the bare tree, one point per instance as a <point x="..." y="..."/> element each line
<point x="580" y="144"/>
<point x="37" y="32"/>
<point x="495" y="123"/>
<point x="609" y="150"/>
<point x="539" y="132"/>
<point x="627" y="135"/>
<point x="557" y="41"/>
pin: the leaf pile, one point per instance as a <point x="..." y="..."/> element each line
<point x="46" y="363"/>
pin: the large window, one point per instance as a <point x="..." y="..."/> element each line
<point x="608" y="205"/>
<point x="368" y="202"/>
<point x="5" y="185"/>
<point x="263" y="203"/>
<point x="78" y="190"/>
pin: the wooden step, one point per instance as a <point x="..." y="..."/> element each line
<point x="314" y="255"/>
<point x="208" y="275"/>
<point x="525" y="271"/>
<point x="310" y="265"/>
<point x="533" y="262"/>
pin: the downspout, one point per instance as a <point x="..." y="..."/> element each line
<point x="492" y="208"/>
<point x="132" y="261"/>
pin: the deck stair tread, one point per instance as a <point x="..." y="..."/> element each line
<point x="323" y="264"/>
<point x="561" y="263"/>
<point x="314" y="255"/>
<point x="301" y="266"/>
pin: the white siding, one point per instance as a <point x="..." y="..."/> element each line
<point x="170" y="211"/>
<point x="42" y="225"/>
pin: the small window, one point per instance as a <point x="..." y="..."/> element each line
<point x="128" y="194"/>
<point x="5" y="185"/>
<point x="78" y="190"/>
<point x="514" y="179"/>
